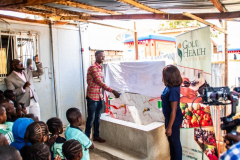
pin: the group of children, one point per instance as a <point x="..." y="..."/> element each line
<point x="23" y="136"/>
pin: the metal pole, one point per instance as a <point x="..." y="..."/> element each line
<point x="54" y="70"/>
<point x="82" y="72"/>
<point x="226" y="55"/>
<point x="135" y="42"/>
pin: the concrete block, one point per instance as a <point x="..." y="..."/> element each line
<point x="149" y="141"/>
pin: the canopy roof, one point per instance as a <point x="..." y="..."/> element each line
<point x="125" y="9"/>
<point x="85" y="10"/>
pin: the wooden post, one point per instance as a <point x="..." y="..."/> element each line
<point x="135" y="42"/>
<point x="226" y="55"/>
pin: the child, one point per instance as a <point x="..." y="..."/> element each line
<point x="6" y="130"/>
<point x="1" y="95"/>
<point x="74" y="117"/>
<point x="19" y="113"/>
<point x="11" y="112"/>
<point x="55" y="126"/>
<point x="3" y="140"/>
<point x="36" y="132"/>
<point x="9" y="153"/>
<point x="9" y="106"/>
<point x="19" y="130"/>
<point x="171" y="109"/>
<point x="32" y="116"/>
<point x="39" y="151"/>
<point x="72" y="150"/>
<point x="10" y="94"/>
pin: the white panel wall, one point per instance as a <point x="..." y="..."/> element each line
<point x="43" y="88"/>
<point x="69" y="77"/>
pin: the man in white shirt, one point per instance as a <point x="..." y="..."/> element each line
<point x="21" y="81"/>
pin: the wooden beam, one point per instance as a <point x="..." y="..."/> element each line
<point x="78" y="18"/>
<point x="27" y="11"/>
<point x="226" y="15"/>
<point x="24" y="19"/>
<point x="23" y="3"/>
<point x="57" y="11"/>
<point x="219" y="5"/>
<point x="87" y="7"/>
<point x="135" y="42"/>
<point x="204" y="22"/>
<point x="141" y="6"/>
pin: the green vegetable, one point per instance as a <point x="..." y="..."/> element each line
<point x="183" y="106"/>
<point x="189" y="113"/>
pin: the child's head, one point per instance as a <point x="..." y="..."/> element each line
<point x="9" y="106"/>
<point x="1" y="95"/>
<point x="38" y="151"/>
<point x="32" y="116"/>
<point x="3" y="115"/>
<point x="3" y="140"/>
<point x="72" y="150"/>
<point x="18" y="108"/>
<point x="55" y="125"/>
<point x="9" y="153"/>
<point x="171" y="76"/>
<point x="10" y="94"/>
<point x="36" y="132"/>
<point x="24" y="109"/>
<point x="74" y="116"/>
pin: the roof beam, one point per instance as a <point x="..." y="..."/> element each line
<point x="57" y="11"/>
<point x="76" y="18"/>
<point x="204" y="22"/>
<point x="24" y="19"/>
<point x="87" y="7"/>
<point x="219" y="5"/>
<point x="27" y="11"/>
<point x="141" y="6"/>
<point x="23" y="3"/>
<point x="225" y="15"/>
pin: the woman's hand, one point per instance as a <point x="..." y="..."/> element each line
<point x="57" y="158"/>
<point x="168" y="132"/>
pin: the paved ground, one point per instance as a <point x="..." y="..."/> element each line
<point x="94" y="156"/>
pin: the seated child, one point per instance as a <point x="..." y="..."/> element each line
<point x="10" y="94"/>
<point x="1" y="95"/>
<point x="9" y="153"/>
<point x="74" y="117"/>
<point x="32" y="116"/>
<point x="72" y="150"/>
<point x="11" y="112"/>
<point x="19" y="130"/>
<point x="20" y="111"/>
<point x="10" y="109"/>
<point x="39" y="151"/>
<point x="5" y="131"/>
<point x="55" y="126"/>
<point x="3" y="140"/>
<point x="36" y="132"/>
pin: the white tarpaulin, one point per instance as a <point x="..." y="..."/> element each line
<point x="143" y="77"/>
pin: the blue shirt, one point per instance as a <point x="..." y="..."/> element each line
<point x="233" y="153"/>
<point x="171" y="94"/>
<point x="77" y="134"/>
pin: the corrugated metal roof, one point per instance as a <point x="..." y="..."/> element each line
<point x="170" y="6"/>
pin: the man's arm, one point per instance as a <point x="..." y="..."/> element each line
<point x="97" y="79"/>
<point x="39" y="70"/>
<point x="10" y="86"/>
